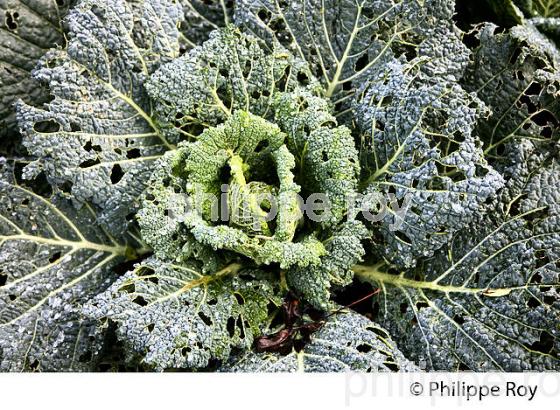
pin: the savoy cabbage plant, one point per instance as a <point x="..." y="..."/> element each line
<point x="264" y="185"/>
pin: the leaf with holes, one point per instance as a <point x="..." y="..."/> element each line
<point x="201" y="18"/>
<point x="52" y="259"/>
<point x="426" y="175"/>
<point x="490" y="299"/>
<point x="100" y="113"/>
<point x="343" y="41"/>
<point x="28" y="29"/>
<point x="516" y="74"/>
<point x="231" y="71"/>
<point x="346" y="342"/>
<point x="176" y="317"/>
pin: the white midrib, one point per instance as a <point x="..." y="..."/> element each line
<point x="373" y="275"/>
<point x="340" y="65"/>
<point x="117" y="250"/>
